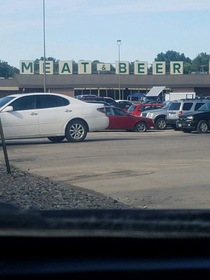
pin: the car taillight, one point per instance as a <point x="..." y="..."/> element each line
<point x="101" y="110"/>
<point x="180" y="113"/>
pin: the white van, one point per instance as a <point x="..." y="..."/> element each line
<point x="179" y="95"/>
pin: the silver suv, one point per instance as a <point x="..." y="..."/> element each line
<point x="179" y="107"/>
<point x="158" y="116"/>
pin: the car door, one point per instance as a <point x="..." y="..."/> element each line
<point x="119" y="119"/>
<point x="22" y="120"/>
<point x="54" y="112"/>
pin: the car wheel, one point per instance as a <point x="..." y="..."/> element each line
<point x="76" y="131"/>
<point x="56" y="139"/>
<point x="160" y="124"/>
<point x="141" y="127"/>
<point x="202" y="127"/>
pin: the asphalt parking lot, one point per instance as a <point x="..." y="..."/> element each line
<point x="153" y="169"/>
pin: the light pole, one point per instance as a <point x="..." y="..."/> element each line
<point x="44" y="46"/>
<point x="119" y="43"/>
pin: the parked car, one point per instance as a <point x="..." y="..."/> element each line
<point x="124" y="104"/>
<point x="119" y="119"/>
<point x="195" y="121"/>
<point x="98" y="102"/>
<point x="51" y="115"/>
<point x="158" y="116"/>
<point x="179" y="107"/>
<point x="81" y="96"/>
<point x="111" y="101"/>
<point x="137" y="109"/>
<point x="90" y="97"/>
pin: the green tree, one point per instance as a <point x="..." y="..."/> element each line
<point x="94" y="65"/>
<point x="6" y="70"/>
<point x="201" y="63"/>
<point x="174" y="56"/>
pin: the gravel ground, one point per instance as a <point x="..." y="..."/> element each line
<point x="27" y="191"/>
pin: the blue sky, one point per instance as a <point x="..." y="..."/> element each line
<point x="89" y="29"/>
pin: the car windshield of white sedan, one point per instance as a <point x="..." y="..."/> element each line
<point x="5" y="100"/>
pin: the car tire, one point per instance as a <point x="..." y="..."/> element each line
<point x="76" y="131"/>
<point x="56" y="139"/>
<point x="160" y="124"/>
<point x="141" y="127"/>
<point x="202" y="127"/>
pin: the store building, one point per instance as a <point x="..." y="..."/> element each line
<point x="104" y="81"/>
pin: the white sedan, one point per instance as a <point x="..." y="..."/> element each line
<point x="51" y="115"/>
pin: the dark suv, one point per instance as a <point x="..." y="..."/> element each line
<point x="182" y="106"/>
<point x="195" y="121"/>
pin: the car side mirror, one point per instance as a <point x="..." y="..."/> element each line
<point x="8" y="109"/>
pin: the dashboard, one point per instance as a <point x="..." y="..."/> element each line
<point x="104" y="244"/>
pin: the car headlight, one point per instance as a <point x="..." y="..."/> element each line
<point x="190" y="118"/>
<point x="150" y="115"/>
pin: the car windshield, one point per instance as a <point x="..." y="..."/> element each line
<point x="131" y="108"/>
<point x="5" y="100"/>
<point x="166" y="106"/>
<point x="76" y="164"/>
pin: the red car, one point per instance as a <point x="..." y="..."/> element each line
<point x="119" y="119"/>
<point x="136" y="109"/>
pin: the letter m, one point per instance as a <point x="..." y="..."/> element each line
<point x="26" y="67"/>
